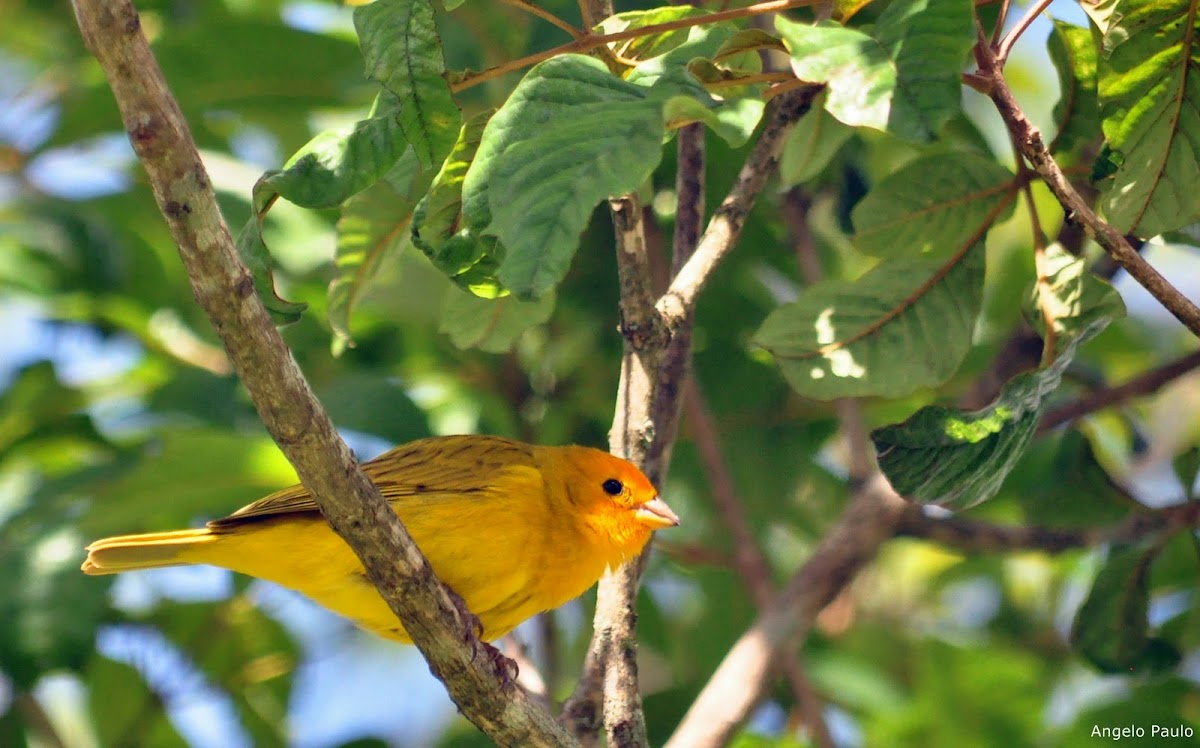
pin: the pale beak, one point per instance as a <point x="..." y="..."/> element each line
<point x="656" y="515"/>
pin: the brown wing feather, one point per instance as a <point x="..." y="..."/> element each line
<point x="438" y="465"/>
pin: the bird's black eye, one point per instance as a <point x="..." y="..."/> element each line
<point x="613" y="487"/>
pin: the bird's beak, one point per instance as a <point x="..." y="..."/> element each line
<point x="656" y="515"/>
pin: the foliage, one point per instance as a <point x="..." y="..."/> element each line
<point x="439" y="249"/>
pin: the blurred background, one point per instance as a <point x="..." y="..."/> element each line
<point x="118" y="414"/>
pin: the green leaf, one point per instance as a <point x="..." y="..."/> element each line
<point x="650" y="45"/>
<point x="373" y="225"/>
<point x="249" y="658"/>
<point x="403" y="52"/>
<point x="905" y="325"/>
<point x="810" y="146"/>
<point x="1110" y="629"/>
<point x="175" y="483"/>
<point x="1149" y="84"/>
<point x="491" y="325"/>
<point x="569" y="136"/>
<point x="468" y="259"/>
<point x="335" y="164"/>
<point x="1073" y="296"/>
<point x="901" y="76"/>
<point x="257" y="258"/>
<point x="1077" y="113"/>
<point x="734" y="120"/>
<point x="957" y="458"/>
<point x="48" y="610"/>
<point x="1186" y="466"/>
<point x="935" y="204"/>
<point x="124" y="710"/>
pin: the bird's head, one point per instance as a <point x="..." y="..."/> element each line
<point x="615" y="499"/>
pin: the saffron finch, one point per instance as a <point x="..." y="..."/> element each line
<point x="514" y="529"/>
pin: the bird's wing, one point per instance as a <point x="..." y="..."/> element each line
<point x="440" y="466"/>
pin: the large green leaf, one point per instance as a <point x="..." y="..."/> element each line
<point x="438" y="229"/>
<point x="401" y="46"/>
<point x="904" y="325"/>
<point x="491" y="325"/>
<point x="934" y="204"/>
<point x="1110" y="628"/>
<point x="957" y="458"/>
<point x="1149" y="88"/>
<point x="374" y="224"/>
<point x="1077" y="113"/>
<point x="902" y="75"/>
<point x="569" y="136"/>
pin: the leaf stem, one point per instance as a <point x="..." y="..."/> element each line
<point x="590" y="41"/>
<point x="1010" y="39"/>
<point x="546" y="15"/>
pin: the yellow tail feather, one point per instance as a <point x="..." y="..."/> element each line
<point x="150" y="551"/>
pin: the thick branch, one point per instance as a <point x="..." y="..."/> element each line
<point x="224" y="289"/>
<point x="742" y="679"/>
<point x="1032" y="147"/>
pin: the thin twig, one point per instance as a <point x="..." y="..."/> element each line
<point x="1006" y="45"/>
<point x="224" y="288"/>
<point x="1029" y="140"/>
<point x="36" y="717"/>
<point x="974" y="537"/>
<point x="1143" y="384"/>
<point x="545" y="15"/>
<point x="725" y="226"/>
<point x="588" y="43"/>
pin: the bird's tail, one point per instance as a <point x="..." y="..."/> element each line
<point x="150" y="551"/>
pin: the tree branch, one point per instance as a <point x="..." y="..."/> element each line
<point x="743" y="677"/>
<point x="725" y="227"/>
<point x="1144" y="384"/>
<point x="748" y="559"/>
<point x="295" y="419"/>
<point x="1029" y="141"/>
<point x="972" y="536"/>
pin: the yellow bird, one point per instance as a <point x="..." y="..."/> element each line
<point x="513" y="528"/>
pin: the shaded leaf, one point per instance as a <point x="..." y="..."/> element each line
<point x="957" y="458"/>
<point x="1077" y="113"/>
<point x="810" y="146"/>
<point x="1149" y="84"/>
<point x="491" y="325"/>
<point x="1110" y="629"/>
<point x="905" y="324"/>
<point x="403" y="52"/>
<point x="1073" y="296"/>
<point x="48" y="610"/>
<point x="650" y="45"/>
<point x="439" y="229"/>
<point x="934" y="204"/>
<point x="257" y="258"/>
<point x="901" y="76"/>
<point x="569" y="136"/>
<point x="373" y="225"/>
<point x="125" y="711"/>
<point x="336" y="164"/>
